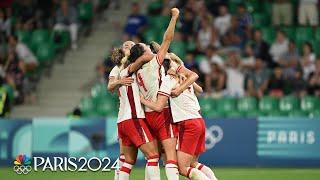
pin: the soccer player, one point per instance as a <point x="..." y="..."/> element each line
<point x="115" y="82"/>
<point x="185" y="112"/>
<point x="132" y="128"/>
<point x="149" y="80"/>
<point x="119" y="57"/>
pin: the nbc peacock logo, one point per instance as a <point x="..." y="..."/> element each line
<point x="22" y="164"/>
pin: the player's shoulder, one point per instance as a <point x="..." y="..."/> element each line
<point x="114" y="72"/>
<point x="154" y="61"/>
<point x="124" y="71"/>
<point x="116" y="68"/>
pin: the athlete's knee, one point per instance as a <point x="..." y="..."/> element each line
<point x="152" y="155"/>
<point x="150" y="151"/>
<point x="130" y="160"/>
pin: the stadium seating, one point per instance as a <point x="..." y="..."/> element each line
<point x="268" y="34"/>
<point x="38" y="38"/>
<point x="87" y="106"/>
<point x="268" y="104"/>
<point x="149" y="35"/>
<point x="24" y="36"/>
<point x="290" y="32"/>
<point x="260" y="20"/>
<point x="247" y="104"/>
<point x="288" y="104"/>
<point x="208" y="107"/>
<point x="309" y="103"/>
<point x="178" y="48"/>
<point x="85" y="11"/>
<point x="226" y="106"/>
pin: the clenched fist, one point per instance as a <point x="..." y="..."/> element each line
<point x="175" y="12"/>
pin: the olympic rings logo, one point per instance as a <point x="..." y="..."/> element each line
<point x="213" y="135"/>
<point x="22" y="169"/>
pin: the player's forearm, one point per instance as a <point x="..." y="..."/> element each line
<point x="197" y="88"/>
<point x="156" y="106"/>
<point x="140" y="62"/>
<point x="191" y="78"/>
<point x="169" y="34"/>
<point x="113" y="85"/>
<point x="153" y="105"/>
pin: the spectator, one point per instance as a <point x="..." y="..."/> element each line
<point x="15" y="76"/>
<point x="308" y="12"/>
<point x="26" y="15"/>
<point x="249" y="60"/>
<point x="5" y="23"/>
<point x="214" y="6"/>
<point x="298" y="85"/>
<point x="281" y="12"/>
<point x="244" y="18"/>
<point x="211" y="57"/>
<point x="289" y="61"/>
<point x="215" y="75"/>
<point x="314" y="80"/>
<point x="280" y="47"/>
<point x="223" y="22"/>
<point x="101" y="72"/>
<point x="216" y="80"/>
<point x="257" y="82"/>
<point x="190" y="63"/>
<point x="187" y="23"/>
<point x="207" y="35"/>
<point x="45" y="13"/>
<point x="276" y="84"/>
<point x="307" y="60"/>
<point x="202" y="12"/>
<point x="26" y="56"/>
<point x="136" y="21"/>
<point x="235" y="37"/>
<point x="235" y="76"/>
<point x="67" y="19"/>
<point x="261" y="48"/>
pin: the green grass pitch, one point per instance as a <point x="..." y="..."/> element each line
<point x="138" y="174"/>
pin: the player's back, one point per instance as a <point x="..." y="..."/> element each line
<point x="185" y="106"/>
<point x="130" y="105"/>
<point x="149" y="79"/>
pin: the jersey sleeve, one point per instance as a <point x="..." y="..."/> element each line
<point x="155" y="63"/>
<point x="125" y="72"/>
<point x="175" y="66"/>
<point x="167" y="85"/>
<point x="115" y="72"/>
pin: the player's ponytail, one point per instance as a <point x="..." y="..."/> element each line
<point x="135" y="52"/>
<point x="166" y="65"/>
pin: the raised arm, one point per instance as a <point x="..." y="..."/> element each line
<point x="168" y="35"/>
<point x="156" y="106"/>
<point x="191" y="78"/>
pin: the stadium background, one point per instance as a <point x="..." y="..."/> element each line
<point x="260" y="76"/>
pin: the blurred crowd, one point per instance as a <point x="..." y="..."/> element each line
<point x="19" y="63"/>
<point x="229" y="52"/>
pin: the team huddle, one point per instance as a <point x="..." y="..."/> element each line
<point x="159" y="112"/>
